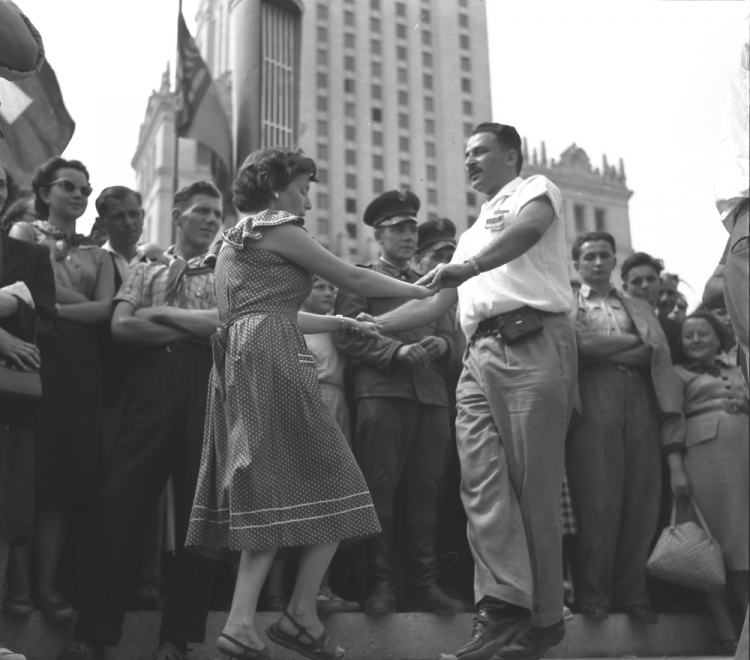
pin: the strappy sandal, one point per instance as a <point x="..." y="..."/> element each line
<point x="315" y="649"/>
<point x="247" y="653"/>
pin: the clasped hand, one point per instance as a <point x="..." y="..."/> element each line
<point x="446" y="276"/>
<point x="18" y="353"/>
<point x="362" y="327"/>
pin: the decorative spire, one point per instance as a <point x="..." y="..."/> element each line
<point x="605" y="165"/>
<point x="525" y="150"/>
<point x="544" y="155"/>
<point x="165" y="78"/>
<point x="534" y="160"/>
<point x="621" y="170"/>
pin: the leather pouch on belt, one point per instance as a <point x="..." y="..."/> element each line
<point x="515" y="327"/>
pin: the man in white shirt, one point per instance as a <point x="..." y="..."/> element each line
<point x="515" y="395"/>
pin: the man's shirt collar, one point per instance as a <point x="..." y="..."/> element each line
<point x="586" y="291"/>
<point x="506" y="191"/>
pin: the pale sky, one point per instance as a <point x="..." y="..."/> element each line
<point x="642" y="81"/>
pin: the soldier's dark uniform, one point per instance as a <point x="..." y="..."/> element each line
<point x="403" y="428"/>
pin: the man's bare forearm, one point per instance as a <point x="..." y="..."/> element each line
<point x="198" y="322"/>
<point x="597" y="345"/>
<point x="417" y="313"/>
<point x="640" y="357"/>
<point x="142" y="332"/>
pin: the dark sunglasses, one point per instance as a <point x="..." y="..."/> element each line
<point x="70" y="187"/>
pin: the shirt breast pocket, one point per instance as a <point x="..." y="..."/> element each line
<point x="701" y="429"/>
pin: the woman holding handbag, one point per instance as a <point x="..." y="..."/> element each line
<point x="714" y="466"/>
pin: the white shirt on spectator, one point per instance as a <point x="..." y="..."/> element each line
<point x="329" y="360"/>
<point x="121" y="262"/>
<point x="539" y="278"/>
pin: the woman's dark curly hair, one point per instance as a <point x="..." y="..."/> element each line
<point x="267" y="171"/>
<point x="46" y="174"/>
<point x="726" y="338"/>
<point x="14" y="191"/>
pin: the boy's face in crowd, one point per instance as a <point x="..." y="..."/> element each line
<point x="322" y="298"/>
<point x="643" y="282"/>
<point x="596" y="262"/>
<point x="667" y="298"/>
<point x="723" y="316"/>
<point x="431" y="258"/>
<point x="200" y="220"/>
<point x="399" y="242"/>
<point x="679" y="312"/>
<point x="124" y="221"/>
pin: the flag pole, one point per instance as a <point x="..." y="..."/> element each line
<point x="177" y="72"/>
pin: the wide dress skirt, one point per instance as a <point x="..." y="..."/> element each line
<point x="276" y="470"/>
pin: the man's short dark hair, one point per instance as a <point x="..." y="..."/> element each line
<point x="119" y="193"/>
<point x="198" y="188"/>
<point x="640" y="259"/>
<point x="506" y="135"/>
<point x="589" y="237"/>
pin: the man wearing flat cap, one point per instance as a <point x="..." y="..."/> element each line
<point x="402" y="415"/>
<point x="436" y="245"/>
<point x="515" y="396"/>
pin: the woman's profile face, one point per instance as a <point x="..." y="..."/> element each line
<point x="699" y="340"/>
<point x="295" y="198"/>
<point x="3" y="187"/>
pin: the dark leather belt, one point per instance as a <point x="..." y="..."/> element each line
<point x="180" y="345"/>
<point x="731" y="406"/>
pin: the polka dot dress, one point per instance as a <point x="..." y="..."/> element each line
<point x="276" y="470"/>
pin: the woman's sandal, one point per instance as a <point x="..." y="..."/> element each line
<point x="248" y="652"/>
<point x="315" y="649"/>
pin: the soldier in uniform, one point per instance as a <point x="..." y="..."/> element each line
<point x="403" y="426"/>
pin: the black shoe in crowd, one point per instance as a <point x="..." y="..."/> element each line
<point x="82" y="651"/>
<point x="382" y="599"/>
<point x="494" y="627"/>
<point x="171" y="651"/>
<point x="533" y="643"/>
<point x="642" y="614"/>
<point x="434" y="599"/>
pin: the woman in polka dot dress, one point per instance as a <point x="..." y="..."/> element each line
<point x="276" y="470"/>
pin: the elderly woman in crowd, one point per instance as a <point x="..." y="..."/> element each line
<point x="277" y="471"/>
<point x="714" y="466"/>
<point x="21" y="210"/>
<point x="68" y="441"/>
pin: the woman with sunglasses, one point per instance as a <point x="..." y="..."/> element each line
<point x="68" y="443"/>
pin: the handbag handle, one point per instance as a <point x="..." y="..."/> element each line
<point x="699" y="515"/>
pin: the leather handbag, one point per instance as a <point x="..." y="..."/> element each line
<point x="688" y="555"/>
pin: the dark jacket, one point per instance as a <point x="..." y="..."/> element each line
<point x="375" y="373"/>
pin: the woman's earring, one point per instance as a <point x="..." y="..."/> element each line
<point x="276" y="195"/>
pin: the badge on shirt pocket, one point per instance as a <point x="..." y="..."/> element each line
<point x="497" y="222"/>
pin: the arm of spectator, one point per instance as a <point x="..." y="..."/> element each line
<point x="127" y="328"/>
<point x="65" y="296"/>
<point x="313" y="324"/>
<point x="19" y="353"/>
<point x="417" y="313"/>
<point x="8" y="304"/>
<point x="441" y="346"/>
<point x="200" y="323"/>
<point x="638" y="356"/>
<point x="595" y="345"/>
<point x="99" y="309"/>
<point x="677" y="476"/>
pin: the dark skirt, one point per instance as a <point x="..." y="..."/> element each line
<point x="16" y="483"/>
<point x="68" y="448"/>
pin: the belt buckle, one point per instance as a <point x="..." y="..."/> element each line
<point x="169" y="348"/>
<point x="730" y="406"/>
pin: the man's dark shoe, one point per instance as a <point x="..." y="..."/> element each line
<point x="81" y="651"/>
<point x="492" y="629"/>
<point x="434" y="599"/>
<point x="594" y="611"/>
<point x="382" y="600"/>
<point x="642" y="614"/>
<point x="533" y="643"/>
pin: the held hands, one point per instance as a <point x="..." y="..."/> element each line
<point x="363" y="326"/>
<point x="421" y="354"/>
<point x="18" y="353"/>
<point x="446" y="276"/>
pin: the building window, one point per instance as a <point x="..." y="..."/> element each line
<point x="322" y="12"/>
<point x="468" y="109"/>
<point x="322" y="175"/>
<point x="322" y="80"/>
<point x="403" y="144"/>
<point x="322" y="57"/>
<point x="322" y="35"/>
<point x="468" y="129"/>
<point x="426" y="38"/>
<point x="463" y="41"/>
<point x="377" y="162"/>
<point x="322" y="103"/>
<point x="600" y="219"/>
<point x="375" y="5"/>
<point x="404" y="167"/>
<point x="376" y="69"/>
<point x="375" y="24"/>
<point x="350" y="133"/>
<point x="348" y="40"/>
<point x="429" y="149"/>
<point x="427" y="81"/>
<point x="404" y="186"/>
<point x="322" y="151"/>
<point x="400" y="9"/>
<point x="377" y="138"/>
<point x="403" y="76"/>
<point x="432" y="216"/>
<point x="400" y="31"/>
<point x="351" y="181"/>
<point x="348" y="18"/>
<point x="322" y="127"/>
<point x="324" y="227"/>
<point x="375" y="47"/>
<point x="349" y="85"/>
<point x="350" y="157"/>
<point x="351" y="230"/>
<point x="403" y="121"/>
<point x="349" y="63"/>
<point x="463" y="20"/>
<point x="429" y="126"/>
<point x="323" y="201"/>
<point x="465" y="64"/>
<point x="462" y="3"/>
<point x="403" y="98"/>
<point x="377" y="92"/>
<point x="351" y="205"/>
<point x="401" y="52"/>
<point x="426" y="16"/>
<point x="431" y="173"/>
<point x="579" y="213"/>
<point x="350" y="110"/>
<point x="429" y="104"/>
<point x="377" y="115"/>
<point x="466" y="85"/>
<point x="378" y="186"/>
<point x="427" y="59"/>
<point x="432" y="196"/>
<point x="471" y="199"/>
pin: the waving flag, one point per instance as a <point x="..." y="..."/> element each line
<point x="34" y="122"/>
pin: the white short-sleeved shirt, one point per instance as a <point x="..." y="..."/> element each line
<point x="539" y="278"/>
